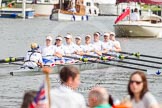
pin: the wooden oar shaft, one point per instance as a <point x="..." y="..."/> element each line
<point x="106" y="63"/>
<point x="121" y="61"/>
<point x="11" y="59"/>
<point x="49" y="87"/>
<point x="131" y="58"/>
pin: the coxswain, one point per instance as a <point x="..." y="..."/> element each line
<point x="33" y="57"/>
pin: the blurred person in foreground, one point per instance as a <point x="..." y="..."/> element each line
<point x="98" y="98"/>
<point x="65" y="96"/>
<point x="28" y="98"/>
<point x="139" y="92"/>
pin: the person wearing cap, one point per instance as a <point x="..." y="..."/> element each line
<point x="48" y="52"/>
<point x="116" y="44"/>
<point x="70" y="48"/>
<point x="33" y="57"/>
<point x="88" y="47"/>
<point x="79" y="46"/>
<point x="107" y="43"/>
<point x="97" y="44"/>
<point x="60" y="50"/>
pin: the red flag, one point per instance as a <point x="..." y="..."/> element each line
<point x="123" y="15"/>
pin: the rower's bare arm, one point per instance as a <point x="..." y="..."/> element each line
<point x="117" y="48"/>
<point x="155" y="106"/>
<point x="104" y="51"/>
<point x="98" y="52"/>
<point x="58" y="54"/>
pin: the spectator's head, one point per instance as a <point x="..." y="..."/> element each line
<point x="28" y="98"/>
<point x="70" y="76"/>
<point x="98" y="96"/>
<point x="135" y="10"/>
<point x="137" y="84"/>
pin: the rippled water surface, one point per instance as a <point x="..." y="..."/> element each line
<point x="16" y="36"/>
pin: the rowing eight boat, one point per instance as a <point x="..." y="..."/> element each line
<point x="81" y="66"/>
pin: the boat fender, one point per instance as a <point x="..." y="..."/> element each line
<point x="82" y="18"/>
<point x="87" y="18"/>
<point x="73" y="17"/>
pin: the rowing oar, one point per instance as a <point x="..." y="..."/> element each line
<point x="131" y="58"/>
<point x="121" y="61"/>
<point x="48" y="70"/>
<point x="11" y="59"/>
<point x="138" y="54"/>
<point x="101" y="62"/>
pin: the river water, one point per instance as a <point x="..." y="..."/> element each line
<point x="17" y="34"/>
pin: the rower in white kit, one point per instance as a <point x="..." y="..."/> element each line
<point x="70" y="48"/>
<point x="60" y="50"/>
<point x="33" y="57"/>
<point x="107" y="43"/>
<point x="49" y="52"/>
<point x="97" y="44"/>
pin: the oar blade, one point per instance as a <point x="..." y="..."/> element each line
<point x="154" y="71"/>
<point x="11" y="59"/>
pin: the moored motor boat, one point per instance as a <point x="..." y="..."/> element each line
<point x="148" y="26"/>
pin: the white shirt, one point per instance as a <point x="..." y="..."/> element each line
<point x="70" y="49"/>
<point x="108" y="45"/>
<point x="79" y="47"/>
<point x="47" y="54"/>
<point x="98" y="45"/>
<point x="116" y="43"/>
<point x="134" y="16"/>
<point x="64" y="97"/>
<point x="60" y="49"/>
<point x="32" y="58"/>
<point x="48" y="50"/>
<point x="147" y="101"/>
<point x="88" y="47"/>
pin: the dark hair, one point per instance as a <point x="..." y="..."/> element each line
<point x="145" y="85"/>
<point x="135" y="10"/>
<point x="28" y="98"/>
<point x="67" y="72"/>
<point x="111" y="101"/>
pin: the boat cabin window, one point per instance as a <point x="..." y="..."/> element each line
<point x="153" y="18"/>
<point x="88" y="4"/>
